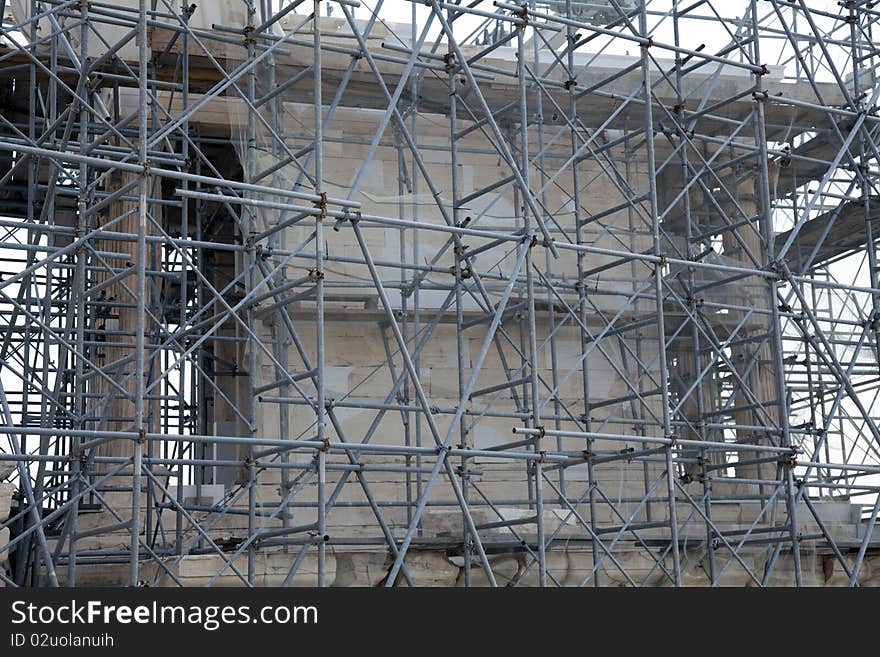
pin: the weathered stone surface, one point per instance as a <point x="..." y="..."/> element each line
<point x="6" y="491"/>
<point x="361" y="568"/>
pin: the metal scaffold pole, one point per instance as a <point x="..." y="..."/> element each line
<point x="325" y="292"/>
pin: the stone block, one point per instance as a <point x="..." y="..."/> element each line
<point x="6" y="491"/>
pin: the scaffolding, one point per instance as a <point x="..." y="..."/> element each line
<point x="611" y="317"/>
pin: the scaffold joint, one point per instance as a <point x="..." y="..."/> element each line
<point x="321" y="204"/>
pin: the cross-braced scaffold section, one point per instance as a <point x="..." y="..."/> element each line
<point x="404" y="293"/>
